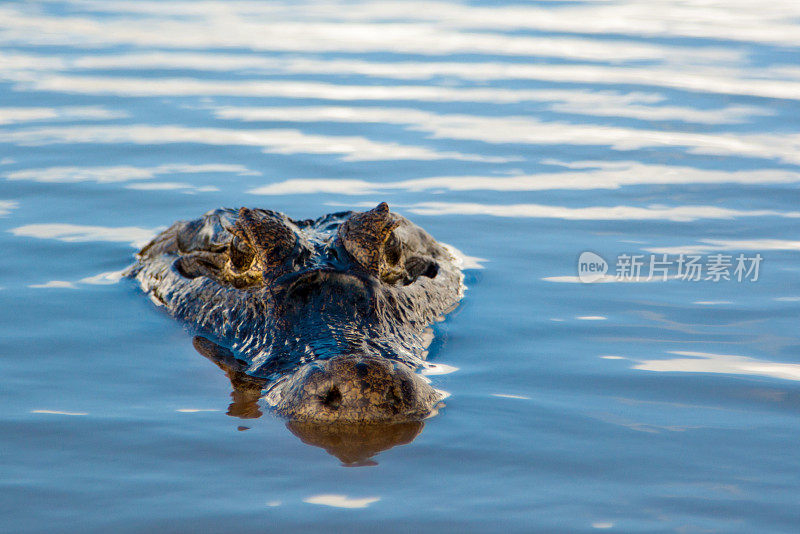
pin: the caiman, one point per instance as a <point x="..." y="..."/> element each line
<point x="325" y="320"/>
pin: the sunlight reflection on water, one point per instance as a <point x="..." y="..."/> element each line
<point x="520" y="133"/>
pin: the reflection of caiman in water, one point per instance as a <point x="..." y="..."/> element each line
<point x="321" y="321"/>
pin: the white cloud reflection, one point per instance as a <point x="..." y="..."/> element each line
<point x="740" y="20"/>
<point x="101" y="279"/>
<point x="593" y="213"/>
<point x="341" y="501"/>
<point x="772" y="22"/>
<point x="76" y="233"/>
<point x="127" y="86"/>
<point x="6" y="206"/>
<point x="21" y="115"/>
<point x="260" y="28"/>
<point x="170" y="186"/>
<point x="711" y="245"/>
<point x="273" y="141"/>
<point x="55" y="284"/>
<point x="778" y="82"/>
<point x="58" y="412"/>
<point x="751" y="81"/>
<point x="637" y="105"/>
<point x="704" y="362"/>
<point x="586" y="175"/>
<point x="509" y="396"/>
<point x="497" y="130"/>
<point x="122" y="173"/>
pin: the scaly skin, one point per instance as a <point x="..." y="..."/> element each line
<point x="329" y="317"/>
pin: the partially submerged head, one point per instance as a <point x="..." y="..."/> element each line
<point x="332" y="312"/>
<point x="354" y="388"/>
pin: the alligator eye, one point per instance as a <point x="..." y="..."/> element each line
<point x="241" y="254"/>
<point x="391" y="249"/>
<point x="270" y="239"/>
<point x="365" y="235"/>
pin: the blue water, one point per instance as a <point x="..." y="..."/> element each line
<point x="521" y="133"/>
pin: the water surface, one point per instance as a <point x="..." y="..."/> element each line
<point x="521" y="133"/>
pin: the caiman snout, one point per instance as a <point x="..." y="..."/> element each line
<point x="355" y="388"/>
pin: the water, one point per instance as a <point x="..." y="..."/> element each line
<point x="523" y="134"/>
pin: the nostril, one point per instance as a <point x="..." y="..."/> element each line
<point x="432" y="270"/>
<point x="333" y="399"/>
<point x="417" y="267"/>
<point x="362" y="369"/>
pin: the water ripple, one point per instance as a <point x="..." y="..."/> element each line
<point x="75" y="233"/>
<point x="523" y="133"/>
<point x="273" y="141"/>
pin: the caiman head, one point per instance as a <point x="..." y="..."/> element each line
<point x="333" y="312"/>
